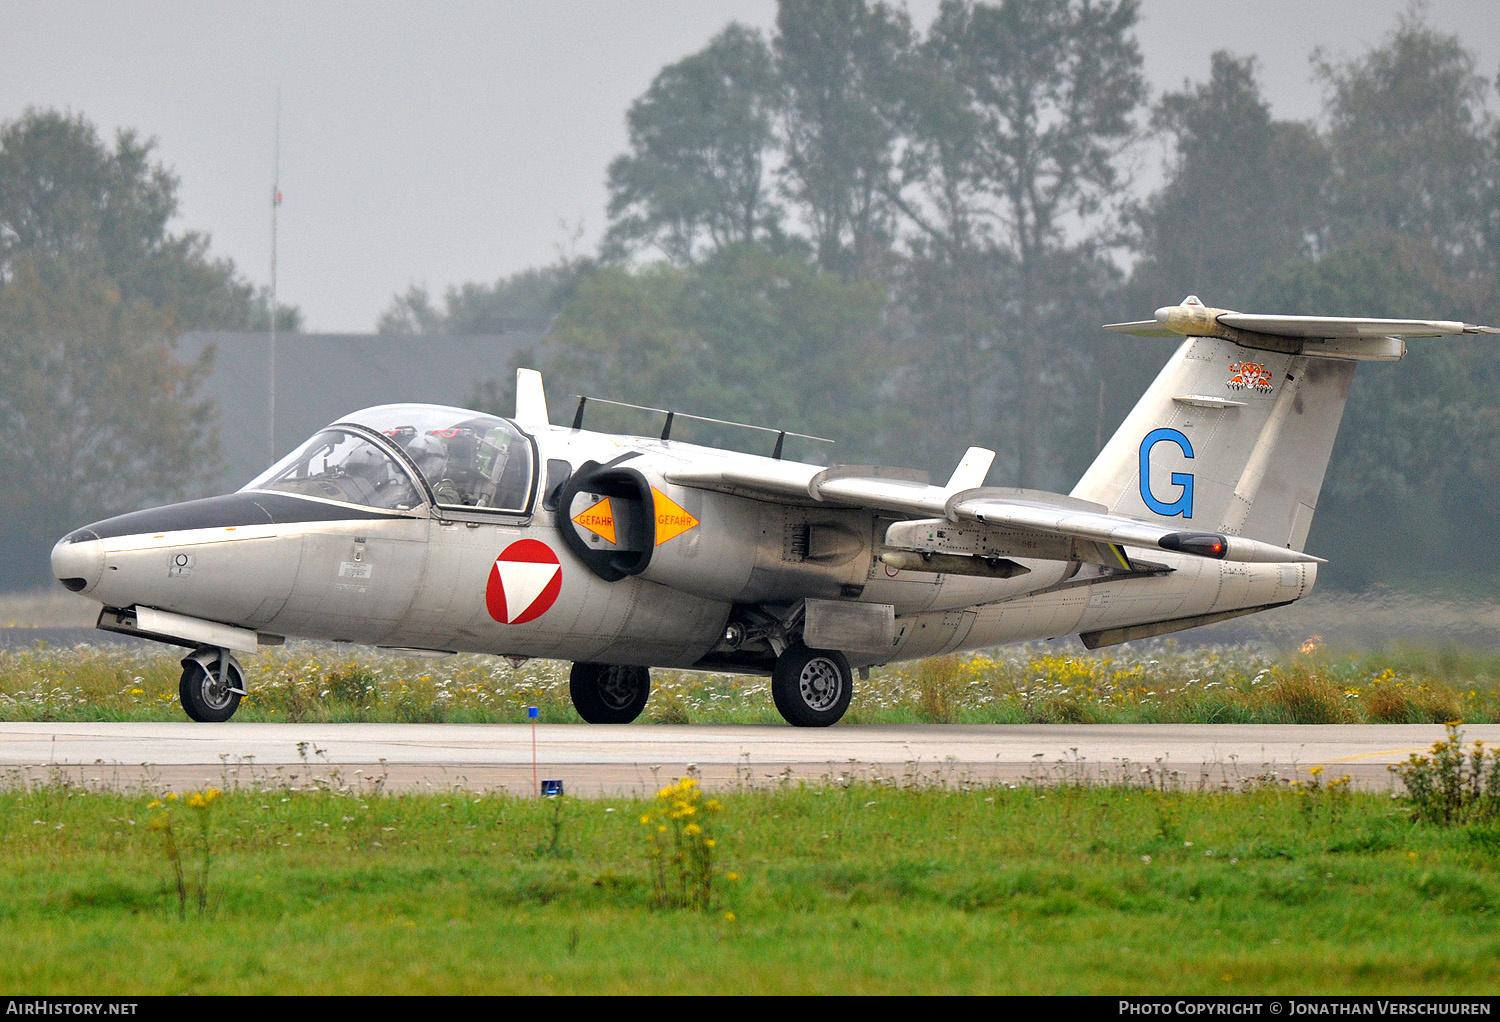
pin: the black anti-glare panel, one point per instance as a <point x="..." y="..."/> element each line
<point x="229" y="511"/>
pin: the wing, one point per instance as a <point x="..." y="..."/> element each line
<point x="987" y="523"/>
<point x="1065" y="518"/>
<point x="879" y="489"/>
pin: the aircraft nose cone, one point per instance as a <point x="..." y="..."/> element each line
<point x="78" y="560"/>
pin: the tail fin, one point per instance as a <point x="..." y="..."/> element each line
<point x="1235" y="433"/>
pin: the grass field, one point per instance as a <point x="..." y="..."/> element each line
<point x="831" y="889"/>
<point x="897" y="887"/>
<point x="1151" y="683"/>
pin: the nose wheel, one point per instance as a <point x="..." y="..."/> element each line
<point x="212" y="684"/>
<point x="811" y="687"/>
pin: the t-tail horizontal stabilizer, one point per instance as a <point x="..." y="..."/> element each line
<point x="1354" y="338"/>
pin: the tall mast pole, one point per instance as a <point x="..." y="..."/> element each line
<point x="275" y="205"/>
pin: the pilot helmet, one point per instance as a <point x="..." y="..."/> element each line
<point x="366" y="463"/>
<point x="429" y="454"/>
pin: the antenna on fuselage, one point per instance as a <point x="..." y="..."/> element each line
<point x="275" y="205"/>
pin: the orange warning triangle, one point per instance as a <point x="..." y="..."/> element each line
<point x="671" y="520"/>
<point x="599" y="519"/>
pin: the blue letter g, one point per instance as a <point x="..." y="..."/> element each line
<point x="1183" y="505"/>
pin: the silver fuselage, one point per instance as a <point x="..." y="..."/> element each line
<point x="300" y="566"/>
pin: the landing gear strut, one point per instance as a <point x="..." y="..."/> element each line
<point x="811" y="687"/>
<point x="212" y="683"/>
<point x="609" y="694"/>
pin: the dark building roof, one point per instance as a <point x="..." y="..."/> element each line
<point x="323" y="377"/>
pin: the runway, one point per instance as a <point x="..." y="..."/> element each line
<point x="626" y="760"/>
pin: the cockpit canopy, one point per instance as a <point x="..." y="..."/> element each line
<point x="468" y="461"/>
<point x="341" y="465"/>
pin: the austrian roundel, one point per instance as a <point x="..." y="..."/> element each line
<point x="524" y="582"/>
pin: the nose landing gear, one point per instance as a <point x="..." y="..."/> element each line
<point x="212" y="684"/>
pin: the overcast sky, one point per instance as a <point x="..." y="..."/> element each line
<point x="449" y="142"/>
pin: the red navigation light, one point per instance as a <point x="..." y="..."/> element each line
<point x="1202" y="544"/>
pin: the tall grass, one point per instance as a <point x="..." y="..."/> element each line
<point x="1154" y="683"/>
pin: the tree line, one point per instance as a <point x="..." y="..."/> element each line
<point x="958" y="198"/>
<point x="901" y="236"/>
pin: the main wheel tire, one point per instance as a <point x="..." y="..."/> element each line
<point x="207" y="699"/>
<point x="812" y="687"/>
<point x="608" y="693"/>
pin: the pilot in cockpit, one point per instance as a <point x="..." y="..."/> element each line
<point x="430" y="455"/>
<point x="469" y="467"/>
<point x="378" y="481"/>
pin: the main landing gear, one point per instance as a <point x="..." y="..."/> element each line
<point x="609" y="694"/>
<point x="811" y="687"/>
<point x="212" y="684"/>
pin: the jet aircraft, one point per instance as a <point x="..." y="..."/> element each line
<point x="434" y="530"/>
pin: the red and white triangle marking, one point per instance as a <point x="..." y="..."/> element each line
<point x="524" y="582"/>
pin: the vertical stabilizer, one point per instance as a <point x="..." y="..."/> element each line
<point x="1227" y="439"/>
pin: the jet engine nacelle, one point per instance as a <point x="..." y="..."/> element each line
<point x="624" y="519"/>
